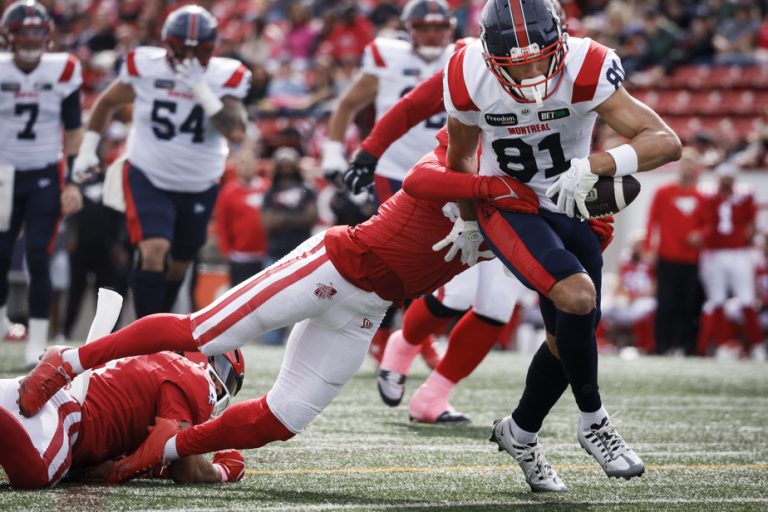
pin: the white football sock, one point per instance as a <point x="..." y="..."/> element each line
<point x="73" y="358"/>
<point x="4" y="323"/>
<point x="592" y="418"/>
<point x="520" y="435"/>
<point x="37" y="340"/>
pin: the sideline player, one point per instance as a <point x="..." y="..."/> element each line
<point x="531" y="95"/>
<point x="39" y="98"/>
<point x="80" y="439"/>
<point x="391" y="68"/>
<point x="336" y="287"/>
<point x="186" y="106"/>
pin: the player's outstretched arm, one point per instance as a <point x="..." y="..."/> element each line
<point x="226" y="466"/>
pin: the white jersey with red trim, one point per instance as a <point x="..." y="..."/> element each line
<point x="399" y="69"/>
<point x="530" y="143"/>
<point x="172" y="140"/>
<point x="30" y="109"/>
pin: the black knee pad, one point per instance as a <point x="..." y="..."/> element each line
<point x="438" y="309"/>
<point x="489" y="321"/>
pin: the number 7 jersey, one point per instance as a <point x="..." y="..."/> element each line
<point x="532" y="143"/>
<point x="172" y="140"/>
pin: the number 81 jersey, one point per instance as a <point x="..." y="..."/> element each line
<point x="172" y="140"/>
<point x="532" y="143"/>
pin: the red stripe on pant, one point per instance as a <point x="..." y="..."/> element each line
<point x="504" y="237"/>
<point x="132" y="221"/>
<point x="259" y="299"/>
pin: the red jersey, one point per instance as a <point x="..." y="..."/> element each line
<point x="238" y="219"/>
<point x="675" y="213"/>
<point x="636" y="278"/>
<point x="125" y="395"/>
<point x="730" y="220"/>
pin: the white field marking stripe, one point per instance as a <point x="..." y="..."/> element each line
<point x="61" y="455"/>
<point x="450" y="469"/>
<point x="618" y="191"/>
<point x="245" y="297"/>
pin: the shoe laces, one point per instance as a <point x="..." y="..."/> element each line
<point x="393" y="377"/>
<point x="535" y="456"/>
<point x="611" y="439"/>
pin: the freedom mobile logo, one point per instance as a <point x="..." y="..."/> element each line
<point x="501" y="119"/>
<point x="552" y="115"/>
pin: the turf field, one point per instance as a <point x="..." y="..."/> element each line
<point x="700" y="425"/>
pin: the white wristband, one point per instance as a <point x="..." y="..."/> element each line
<point x="625" y="157"/>
<point x="90" y="142"/>
<point x="211" y="103"/>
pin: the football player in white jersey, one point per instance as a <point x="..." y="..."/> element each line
<point x="39" y="98"/>
<point x="390" y="69"/>
<point x="186" y="106"/>
<point x="530" y="95"/>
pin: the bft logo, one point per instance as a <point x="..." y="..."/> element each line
<point x="367" y="324"/>
<point x="325" y="291"/>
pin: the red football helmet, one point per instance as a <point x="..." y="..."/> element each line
<point x="227" y="369"/>
<point x="430" y="25"/>
<point x="27" y="29"/>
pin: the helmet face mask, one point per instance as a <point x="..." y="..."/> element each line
<point x="190" y="31"/>
<point x="524" y="47"/>
<point x="27" y="28"/>
<point x="227" y="371"/>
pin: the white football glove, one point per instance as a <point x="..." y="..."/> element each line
<point x="573" y="186"/>
<point x="192" y="74"/>
<point x="465" y="238"/>
<point x="334" y="163"/>
<point x="86" y="158"/>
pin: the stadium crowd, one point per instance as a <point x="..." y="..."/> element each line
<point x="304" y="54"/>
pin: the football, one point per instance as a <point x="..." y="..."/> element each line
<point x="610" y="195"/>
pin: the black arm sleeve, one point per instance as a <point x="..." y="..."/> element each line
<point x="70" y="111"/>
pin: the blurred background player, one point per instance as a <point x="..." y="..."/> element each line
<point x="40" y="124"/>
<point x="675" y="247"/>
<point x="727" y="263"/>
<point x="531" y="95"/>
<point x="81" y="437"/>
<point x="239" y="228"/>
<point x="390" y="69"/>
<point x="186" y="107"/>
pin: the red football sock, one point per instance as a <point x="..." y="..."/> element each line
<point x="147" y="335"/>
<point x="419" y="322"/>
<point x="751" y="326"/>
<point x="248" y="424"/>
<point x="720" y="327"/>
<point x="470" y="341"/>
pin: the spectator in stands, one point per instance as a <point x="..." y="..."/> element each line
<point x="348" y="33"/>
<point x="727" y="266"/>
<point x="661" y="39"/>
<point x="289" y="213"/>
<point x="241" y="236"/>
<point x="673" y="238"/>
<point x="696" y="47"/>
<point x="735" y="36"/>
<point x="755" y="155"/>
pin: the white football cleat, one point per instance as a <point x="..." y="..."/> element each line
<point x="538" y="472"/>
<point x="610" y="450"/>
<point x="391" y="387"/>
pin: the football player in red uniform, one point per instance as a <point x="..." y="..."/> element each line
<point x="529" y="96"/>
<point x="128" y="403"/>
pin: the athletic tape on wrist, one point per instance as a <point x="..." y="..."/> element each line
<point x="625" y="157"/>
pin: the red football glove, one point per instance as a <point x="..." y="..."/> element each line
<point x="147" y="455"/>
<point x="506" y="194"/>
<point x="603" y="228"/>
<point x="231" y="465"/>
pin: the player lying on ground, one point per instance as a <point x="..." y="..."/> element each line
<point x="81" y="439"/>
<point x="336" y="288"/>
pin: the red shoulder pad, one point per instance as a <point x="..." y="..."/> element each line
<point x="377" y="58"/>
<point x="585" y="85"/>
<point x="130" y="63"/>
<point x="236" y="77"/>
<point x="457" y="87"/>
<point x="69" y="69"/>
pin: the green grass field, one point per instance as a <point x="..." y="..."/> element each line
<point x="700" y="425"/>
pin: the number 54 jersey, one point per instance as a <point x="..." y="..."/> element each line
<point x="532" y="143"/>
<point x="172" y="140"/>
<point x="30" y="109"/>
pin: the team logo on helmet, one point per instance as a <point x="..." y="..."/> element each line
<point x="520" y="33"/>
